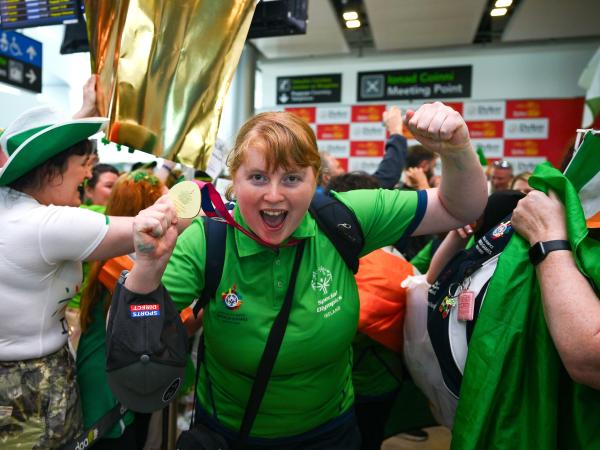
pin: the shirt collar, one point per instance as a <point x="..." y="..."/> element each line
<point x="247" y="246"/>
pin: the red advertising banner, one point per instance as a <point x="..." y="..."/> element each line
<point x="367" y="148"/>
<point x="488" y="129"/>
<point x="308" y="113"/>
<point x="333" y="132"/>
<point x="367" y="113"/>
<point x="526" y="131"/>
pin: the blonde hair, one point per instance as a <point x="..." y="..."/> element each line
<point x="523" y="176"/>
<point x="285" y="139"/>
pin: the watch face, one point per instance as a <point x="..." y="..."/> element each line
<point x="536" y="253"/>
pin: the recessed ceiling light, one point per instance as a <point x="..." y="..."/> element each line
<point x="353" y="24"/>
<point x="350" y="15"/>
<point x="498" y="12"/>
<point x="503" y="3"/>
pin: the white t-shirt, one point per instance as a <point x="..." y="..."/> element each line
<point x="419" y="355"/>
<point x="41" y="249"/>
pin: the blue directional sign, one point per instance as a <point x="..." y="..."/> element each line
<point x="20" y="61"/>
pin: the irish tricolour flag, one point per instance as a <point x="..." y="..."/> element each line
<point x="590" y="81"/>
<point x="584" y="174"/>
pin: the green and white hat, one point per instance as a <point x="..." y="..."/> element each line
<point x="39" y="134"/>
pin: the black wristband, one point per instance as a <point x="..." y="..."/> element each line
<point x="539" y="250"/>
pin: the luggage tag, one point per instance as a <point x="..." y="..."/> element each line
<point x="466" y="303"/>
<point x="187" y="198"/>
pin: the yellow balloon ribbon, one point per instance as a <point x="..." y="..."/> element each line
<point x="175" y="65"/>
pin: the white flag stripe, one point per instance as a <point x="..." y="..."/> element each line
<point x="590" y="196"/>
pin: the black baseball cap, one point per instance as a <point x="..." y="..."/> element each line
<point x="146" y="349"/>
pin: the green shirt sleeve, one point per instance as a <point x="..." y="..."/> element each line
<point x="184" y="275"/>
<point x="385" y="215"/>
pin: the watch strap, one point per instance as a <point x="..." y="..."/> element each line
<point x="539" y="250"/>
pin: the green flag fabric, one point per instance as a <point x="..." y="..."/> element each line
<point x="516" y="394"/>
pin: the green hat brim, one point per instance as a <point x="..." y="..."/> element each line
<point x="45" y="144"/>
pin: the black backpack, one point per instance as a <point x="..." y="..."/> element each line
<point x="333" y="217"/>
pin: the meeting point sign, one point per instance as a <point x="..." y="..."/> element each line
<point x="430" y="83"/>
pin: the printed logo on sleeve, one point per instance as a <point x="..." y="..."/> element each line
<point x="148" y="310"/>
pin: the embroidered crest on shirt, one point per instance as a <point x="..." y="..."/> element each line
<point x="321" y="280"/>
<point x="231" y="299"/>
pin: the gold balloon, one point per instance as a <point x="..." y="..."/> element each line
<point x="175" y="64"/>
<point x="105" y="19"/>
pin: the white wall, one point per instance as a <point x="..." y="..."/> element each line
<point x="507" y="72"/>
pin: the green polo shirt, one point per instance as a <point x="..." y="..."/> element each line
<point x="377" y="370"/>
<point x="311" y="382"/>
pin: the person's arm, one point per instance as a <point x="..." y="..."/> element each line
<point x="394" y="159"/>
<point x="453" y="243"/>
<point x="571" y="307"/>
<point x="119" y="239"/>
<point x="164" y="170"/>
<point x="462" y="195"/>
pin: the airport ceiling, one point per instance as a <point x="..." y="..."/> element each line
<point x="403" y="25"/>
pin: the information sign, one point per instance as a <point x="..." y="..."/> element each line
<point x="435" y="82"/>
<point x="20" y="61"/>
<point x="309" y="89"/>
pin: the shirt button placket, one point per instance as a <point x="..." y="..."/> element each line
<point x="278" y="277"/>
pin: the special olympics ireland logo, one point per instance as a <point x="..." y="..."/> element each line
<point x="321" y="280"/>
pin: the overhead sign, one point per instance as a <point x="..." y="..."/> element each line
<point x="430" y="83"/>
<point x="309" y="89"/>
<point x="20" y="61"/>
<point x="33" y="13"/>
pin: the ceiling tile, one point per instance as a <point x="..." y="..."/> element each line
<point x="553" y="19"/>
<point x="406" y="24"/>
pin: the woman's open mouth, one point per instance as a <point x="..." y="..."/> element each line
<point x="273" y="218"/>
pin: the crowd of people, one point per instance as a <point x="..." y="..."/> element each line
<point x="340" y="364"/>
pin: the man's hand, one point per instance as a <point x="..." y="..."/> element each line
<point x="539" y="217"/>
<point x="416" y="178"/>
<point x="392" y="120"/>
<point x="89" y="108"/>
<point x="439" y="128"/>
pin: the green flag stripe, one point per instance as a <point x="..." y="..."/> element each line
<point x="594" y="105"/>
<point x="586" y="163"/>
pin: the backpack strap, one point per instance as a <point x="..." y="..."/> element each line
<point x="215" y="232"/>
<point x="340" y="225"/>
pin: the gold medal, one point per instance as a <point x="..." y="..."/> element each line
<point x="186" y="197"/>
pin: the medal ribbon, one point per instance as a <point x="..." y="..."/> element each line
<point x="213" y="207"/>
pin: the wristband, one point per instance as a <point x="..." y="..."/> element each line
<point x="539" y="250"/>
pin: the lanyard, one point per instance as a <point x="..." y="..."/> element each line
<point x="213" y="207"/>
